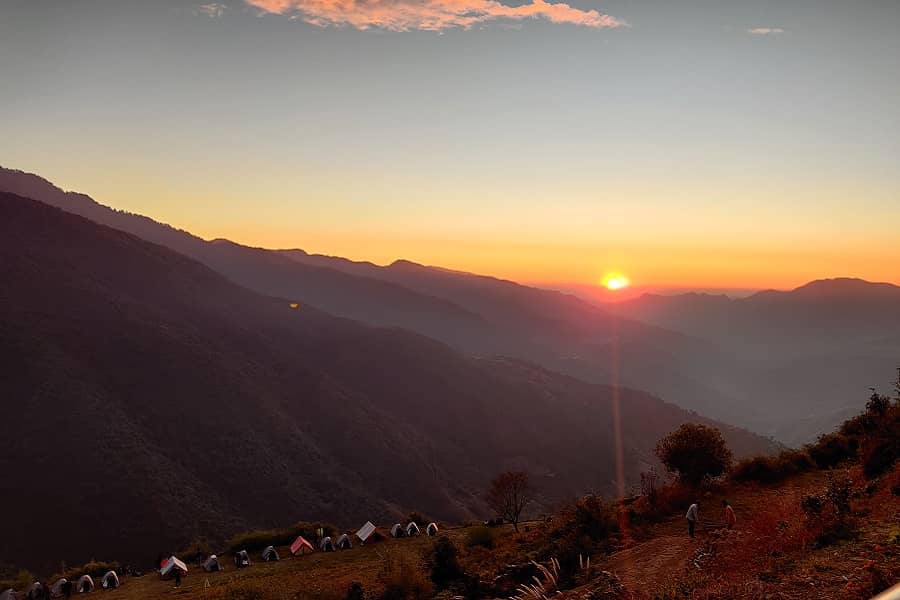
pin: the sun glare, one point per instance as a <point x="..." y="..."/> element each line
<point x="615" y="281"/>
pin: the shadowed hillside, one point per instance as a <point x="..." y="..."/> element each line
<point x="172" y="403"/>
<point x="476" y="315"/>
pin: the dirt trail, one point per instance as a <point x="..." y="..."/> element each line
<point x="648" y="565"/>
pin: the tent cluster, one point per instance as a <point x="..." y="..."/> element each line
<point x="174" y="568"/>
<point x="412" y="530"/>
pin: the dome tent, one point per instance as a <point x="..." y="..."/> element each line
<point x="242" y="559"/>
<point x="85" y="584"/>
<point x="412" y="530"/>
<point x="397" y="531"/>
<point x="344" y="542"/>
<point x="110" y="581"/>
<point x="432" y="529"/>
<point x="270" y="554"/>
<point x="56" y="590"/>
<point x="326" y="545"/>
<point x="212" y="564"/>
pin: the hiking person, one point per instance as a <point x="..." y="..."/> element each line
<point x="730" y="519"/>
<point x="693" y="514"/>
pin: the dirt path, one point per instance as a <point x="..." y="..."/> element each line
<point x="644" y="567"/>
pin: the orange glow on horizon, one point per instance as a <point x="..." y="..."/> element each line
<point x="615" y="281"/>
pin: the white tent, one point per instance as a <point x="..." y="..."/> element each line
<point x="344" y="542"/>
<point x="110" y="581"/>
<point x="85" y="584"/>
<point x="35" y="590"/>
<point x="56" y="590"/>
<point x="9" y="594"/>
<point x="412" y="529"/>
<point x="173" y="564"/>
<point x="397" y="530"/>
<point x="432" y="529"/>
<point x="212" y="564"/>
<point x="326" y="545"/>
<point x="242" y="559"/>
<point x="270" y="554"/>
<point x="370" y="533"/>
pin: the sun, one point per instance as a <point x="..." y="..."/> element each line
<point x="615" y="281"/>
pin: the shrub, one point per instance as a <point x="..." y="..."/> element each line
<point x="772" y="469"/>
<point x="696" y="452"/>
<point x="15" y="578"/>
<point x="403" y="580"/>
<point x="417" y="518"/>
<point x="355" y="592"/>
<point x="253" y="541"/>
<point x="444" y="562"/>
<point x="584" y="528"/>
<point x="832" y="449"/>
<point x="480" y="536"/>
<point x="95" y="568"/>
<point x="881" y="448"/>
<point x="660" y="505"/>
<point x="196" y="549"/>
<point x="828" y="513"/>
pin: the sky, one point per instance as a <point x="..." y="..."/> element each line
<point x="685" y="144"/>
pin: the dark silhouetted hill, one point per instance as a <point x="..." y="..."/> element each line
<point x="478" y="315"/>
<point x="149" y="400"/>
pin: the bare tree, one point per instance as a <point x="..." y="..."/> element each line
<point x="509" y="494"/>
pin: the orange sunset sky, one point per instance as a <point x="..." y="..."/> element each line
<point x="688" y="145"/>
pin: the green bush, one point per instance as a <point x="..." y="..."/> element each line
<point x="404" y="580"/>
<point x="832" y="449"/>
<point x="480" y="536"/>
<point x="94" y="568"/>
<point x="445" y="567"/>
<point x="253" y="541"/>
<point x="355" y="592"/>
<point x="881" y="448"/>
<point x="773" y="469"/>
<point x="14" y="577"/>
<point x="584" y="528"/>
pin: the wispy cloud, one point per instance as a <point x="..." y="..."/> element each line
<point x="213" y="9"/>
<point x="429" y="15"/>
<point x="765" y="31"/>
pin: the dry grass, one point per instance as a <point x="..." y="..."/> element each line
<point x="317" y="576"/>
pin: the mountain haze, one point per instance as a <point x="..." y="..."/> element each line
<point x="167" y="402"/>
<point x="476" y="315"/>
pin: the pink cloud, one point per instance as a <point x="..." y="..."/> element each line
<point x="765" y="31"/>
<point x="430" y="15"/>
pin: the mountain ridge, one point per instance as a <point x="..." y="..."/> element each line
<point x="175" y="404"/>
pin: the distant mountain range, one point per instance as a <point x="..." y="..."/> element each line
<point x="804" y="357"/>
<point x="477" y="315"/>
<point x="150" y="400"/>
<point x="786" y="364"/>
